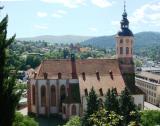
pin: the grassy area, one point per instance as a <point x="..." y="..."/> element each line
<point x="51" y="121"/>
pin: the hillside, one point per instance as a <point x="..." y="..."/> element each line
<point x="142" y="39"/>
<point x="57" y="39"/>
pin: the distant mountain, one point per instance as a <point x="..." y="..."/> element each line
<point x="141" y="39"/>
<point x="58" y="39"/>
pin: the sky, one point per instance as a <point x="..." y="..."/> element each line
<point x="28" y="18"/>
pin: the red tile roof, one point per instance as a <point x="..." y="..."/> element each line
<point x="88" y="66"/>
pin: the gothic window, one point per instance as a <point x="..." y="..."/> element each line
<point x="43" y="95"/>
<point x="97" y="74"/>
<point x="53" y="95"/>
<point x="59" y="76"/>
<point x="121" y="50"/>
<point x="121" y="41"/>
<point x="33" y="94"/>
<point x="83" y="76"/>
<point x="127" y="50"/>
<point x="63" y="92"/>
<point x="74" y="110"/>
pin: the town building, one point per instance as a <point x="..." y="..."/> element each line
<point x="62" y="86"/>
<point x="149" y="83"/>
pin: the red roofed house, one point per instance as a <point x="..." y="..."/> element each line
<point x="61" y="86"/>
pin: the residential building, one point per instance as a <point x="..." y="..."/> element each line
<point x="149" y="83"/>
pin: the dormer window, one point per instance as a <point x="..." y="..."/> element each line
<point x="97" y="74"/>
<point x="86" y="92"/>
<point x="101" y="92"/>
<point x="59" y="76"/>
<point x="111" y="74"/>
<point x="83" y="76"/>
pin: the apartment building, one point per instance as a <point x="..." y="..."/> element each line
<point x="149" y="83"/>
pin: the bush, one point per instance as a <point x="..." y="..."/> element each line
<point x="150" y="118"/>
<point x="21" y="120"/>
<point x="74" y="121"/>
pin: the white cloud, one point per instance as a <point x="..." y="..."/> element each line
<point x="59" y="14"/>
<point x="42" y="14"/>
<point x="41" y="26"/>
<point x="67" y="3"/>
<point x="147" y="14"/>
<point x="93" y="29"/>
<point x="101" y="3"/>
<point x="13" y="0"/>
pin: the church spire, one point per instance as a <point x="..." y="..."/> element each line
<point x="125" y="31"/>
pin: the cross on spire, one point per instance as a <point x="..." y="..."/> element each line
<point x="124" y="6"/>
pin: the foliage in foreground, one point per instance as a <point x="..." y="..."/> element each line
<point x="105" y="118"/>
<point x="74" y="121"/>
<point x="21" y="120"/>
<point x="150" y="118"/>
<point x="9" y="96"/>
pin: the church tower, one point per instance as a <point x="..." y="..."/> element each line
<point x="124" y="52"/>
<point x="124" y="45"/>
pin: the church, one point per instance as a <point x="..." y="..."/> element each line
<point x="62" y="86"/>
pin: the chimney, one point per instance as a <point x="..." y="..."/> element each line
<point x="73" y="66"/>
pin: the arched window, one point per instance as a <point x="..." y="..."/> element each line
<point x="121" y="50"/>
<point x="127" y="50"/>
<point x="53" y="95"/>
<point x="33" y="94"/>
<point x="43" y="95"/>
<point x="74" y="110"/>
<point x="63" y="92"/>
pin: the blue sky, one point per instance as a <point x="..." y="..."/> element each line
<point x="29" y="18"/>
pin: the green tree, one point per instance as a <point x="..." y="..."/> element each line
<point x="21" y="120"/>
<point x="111" y="101"/>
<point x="128" y="108"/>
<point x="92" y="106"/>
<point x="150" y="118"/>
<point x="105" y="118"/>
<point x="9" y="97"/>
<point x="74" y="121"/>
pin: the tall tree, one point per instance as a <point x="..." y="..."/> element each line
<point x="92" y="106"/>
<point x="111" y="101"/>
<point x="128" y="108"/>
<point x="9" y="97"/>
